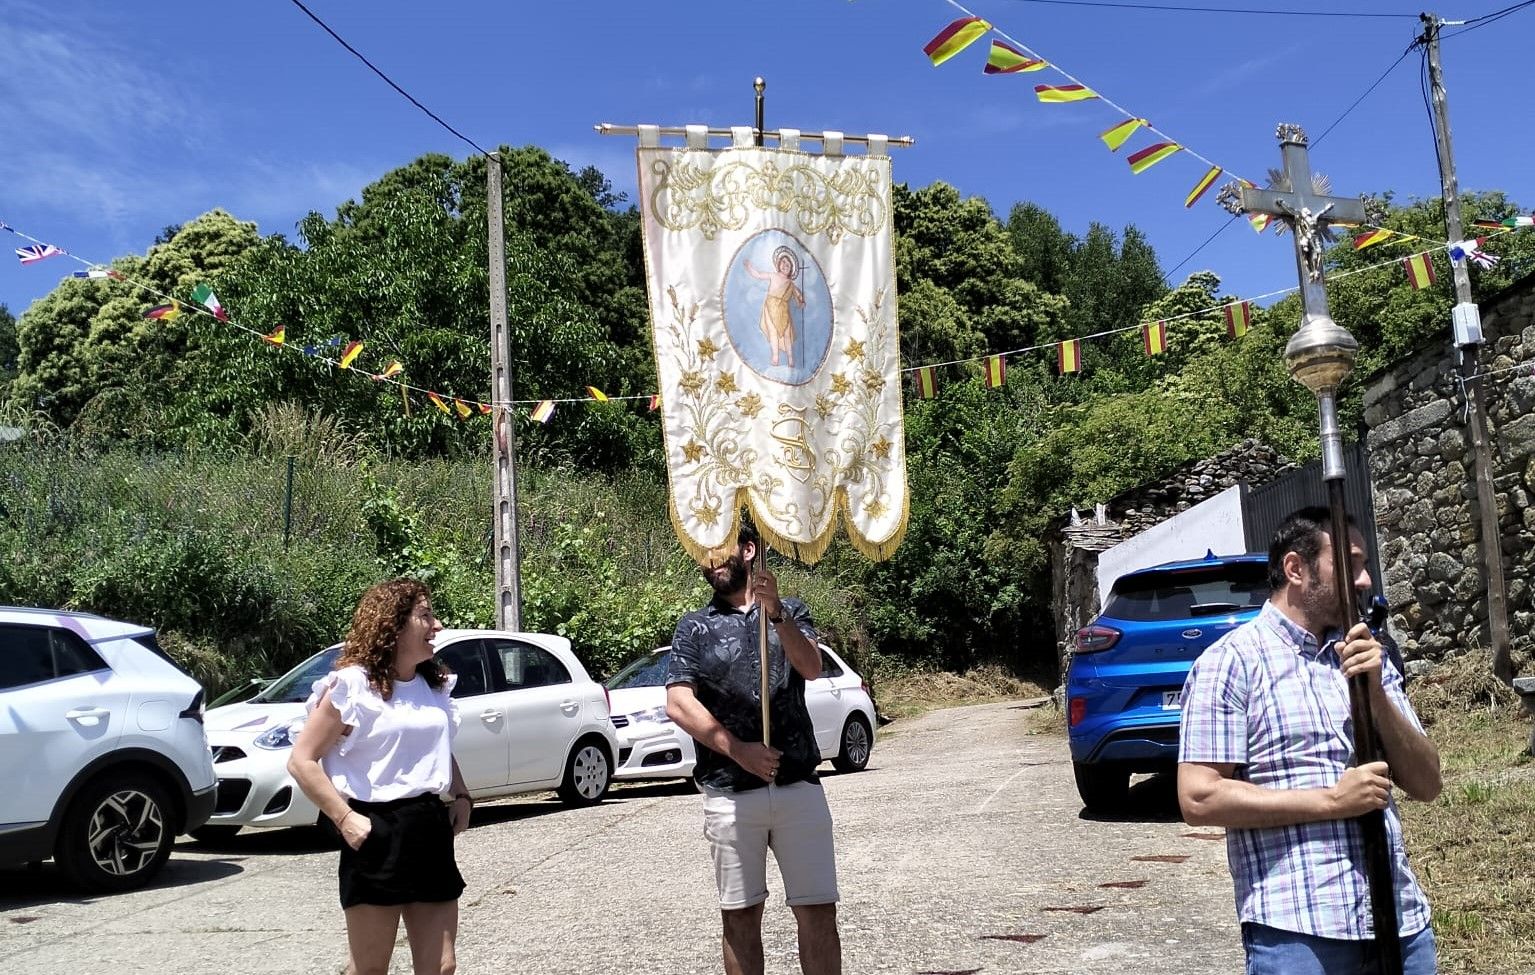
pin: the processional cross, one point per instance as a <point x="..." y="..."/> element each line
<point x="1320" y="356"/>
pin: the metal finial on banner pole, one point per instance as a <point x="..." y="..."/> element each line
<point x="759" y="86"/>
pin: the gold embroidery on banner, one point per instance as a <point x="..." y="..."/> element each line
<point x="710" y="193"/>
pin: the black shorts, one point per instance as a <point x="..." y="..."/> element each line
<point x="406" y="859"/>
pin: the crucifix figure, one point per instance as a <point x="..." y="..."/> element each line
<point x="1320" y="356"/>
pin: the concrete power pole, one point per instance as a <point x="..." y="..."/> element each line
<point x="504" y="432"/>
<point x="1468" y="339"/>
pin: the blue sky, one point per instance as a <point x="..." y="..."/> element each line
<point x="121" y="118"/>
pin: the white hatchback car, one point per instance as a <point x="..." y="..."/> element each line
<point x="530" y="719"/>
<point x="102" y="752"/>
<point x="651" y="746"/>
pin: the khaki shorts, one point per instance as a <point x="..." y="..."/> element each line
<point x="793" y="821"/>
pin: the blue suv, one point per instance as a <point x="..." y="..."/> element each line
<point x="1125" y="678"/>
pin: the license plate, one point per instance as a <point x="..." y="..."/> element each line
<point x="1172" y="700"/>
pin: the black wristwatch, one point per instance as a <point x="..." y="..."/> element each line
<point x="778" y="618"/>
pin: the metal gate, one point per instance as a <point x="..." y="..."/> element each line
<point x="1263" y="508"/>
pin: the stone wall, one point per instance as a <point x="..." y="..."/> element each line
<point x="1074" y="548"/>
<point x="1425" y="492"/>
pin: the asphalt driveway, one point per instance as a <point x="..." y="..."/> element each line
<point x="962" y="849"/>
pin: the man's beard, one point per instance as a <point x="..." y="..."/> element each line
<point x="730" y="582"/>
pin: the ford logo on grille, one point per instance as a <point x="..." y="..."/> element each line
<point x="1193" y="634"/>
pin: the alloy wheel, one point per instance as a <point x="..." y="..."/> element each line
<point x="125" y="832"/>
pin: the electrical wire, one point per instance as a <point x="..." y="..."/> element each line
<point x="387" y="80"/>
<point x="1179" y="8"/>
<point x="1485" y="19"/>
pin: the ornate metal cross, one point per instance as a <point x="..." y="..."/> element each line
<point x="1307" y="212"/>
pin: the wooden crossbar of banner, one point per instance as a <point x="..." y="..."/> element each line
<point x="608" y="128"/>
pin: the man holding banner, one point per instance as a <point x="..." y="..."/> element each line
<point x="757" y="795"/>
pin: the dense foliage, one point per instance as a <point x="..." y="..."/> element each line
<point x="173" y="436"/>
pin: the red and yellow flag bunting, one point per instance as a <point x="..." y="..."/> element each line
<point x="1006" y="59"/>
<point x="1057" y="94"/>
<point x="1144" y="159"/>
<point x="350" y="353"/>
<point x="1420" y="270"/>
<point x="1069" y="356"/>
<point x="996" y="371"/>
<point x="955" y="38"/>
<point x="927" y="382"/>
<point x="1117" y="135"/>
<point x="1371" y="238"/>
<point x="1154" y="337"/>
<point x="276" y="336"/>
<point x="1239" y="318"/>
<point x="1205" y="182"/>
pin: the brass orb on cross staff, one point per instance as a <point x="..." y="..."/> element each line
<point x="1320" y="356"/>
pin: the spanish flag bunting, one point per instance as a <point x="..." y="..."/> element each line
<point x="996" y="371"/>
<point x="1006" y="59"/>
<point x="1420" y="270"/>
<point x="463" y="408"/>
<point x="1151" y="155"/>
<point x="437" y="402"/>
<point x="1052" y="94"/>
<point x="485" y="409"/>
<point x="165" y="313"/>
<point x="1487" y="224"/>
<point x="276" y="336"/>
<point x="1154" y="337"/>
<point x="955" y="38"/>
<point x="1239" y="318"/>
<point x="542" y="412"/>
<point x="1070" y="356"/>
<point x="350" y="353"/>
<point x="1371" y="238"/>
<point x="1116" y="136"/>
<point x="390" y="371"/>
<point x="1260" y="221"/>
<point x="1205" y="182"/>
<point x="655" y="402"/>
<point x="927" y="382"/>
<point x="597" y="394"/>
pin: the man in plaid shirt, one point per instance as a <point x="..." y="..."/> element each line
<point x="1266" y="749"/>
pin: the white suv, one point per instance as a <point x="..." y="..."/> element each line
<point x="530" y="719"/>
<point x="102" y="750"/>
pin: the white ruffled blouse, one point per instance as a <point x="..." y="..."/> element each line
<point x="395" y="749"/>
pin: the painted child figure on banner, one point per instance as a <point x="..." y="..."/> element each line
<point x="777" y="323"/>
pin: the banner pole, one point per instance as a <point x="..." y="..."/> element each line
<point x="762" y="651"/>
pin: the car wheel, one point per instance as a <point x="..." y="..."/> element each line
<point x="117" y="834"/>
<point x="1103" y="788"/>
<point x="588" y="773"/>
<point x="857" y="742"/>
<point x="215" y="835"/>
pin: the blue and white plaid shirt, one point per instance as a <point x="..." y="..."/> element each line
<point x="1269" y="700"/>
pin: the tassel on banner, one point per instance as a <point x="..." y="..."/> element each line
<point x="1154" y="337"/>
<point x="1205" y="182"/>
<point x="955" y="38"/>
<point x="1239" y="317"/>
<point x="1006" y="59"/>
<point x="927" y="382"/>
<point x="1420" y="270"/>
<point x="1069" y="356"/>
<point x="996" y="371"/>
<point x="1118" y="135"/>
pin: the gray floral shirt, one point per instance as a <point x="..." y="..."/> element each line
<point x="715" y="651"/>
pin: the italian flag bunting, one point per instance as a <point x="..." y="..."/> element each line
<point x="1239" y="318"/>
<point x="1420" y="270"/>
<point x="1069" y="356"/>
<point x="203" y="295"/>
<point x="996" y="371"/>
<point x="1154" y="337"/>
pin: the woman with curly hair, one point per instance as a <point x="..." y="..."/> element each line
<point x="375" y="755"/>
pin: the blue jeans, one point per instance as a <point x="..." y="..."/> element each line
<point x="1271" y="951"/>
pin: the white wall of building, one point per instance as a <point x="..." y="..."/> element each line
<point x="1213" y="525"/>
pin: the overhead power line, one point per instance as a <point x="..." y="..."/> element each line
<point x="1485" y="19"/>
<point x="388" y="80"/>
<point x="1253" y="11"/>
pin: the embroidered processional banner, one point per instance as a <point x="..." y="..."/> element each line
<point x="773" y="304"/>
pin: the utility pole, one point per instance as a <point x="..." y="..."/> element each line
<point x="504" y="435"/>
<point x="1468" y="339"/>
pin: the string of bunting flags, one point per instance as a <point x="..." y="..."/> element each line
<point x="1238" y="315"/>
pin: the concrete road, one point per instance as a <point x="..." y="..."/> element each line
<point x="962" y="849"/>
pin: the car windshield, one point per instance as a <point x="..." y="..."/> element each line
<point x="1178" y="594"/>
<point x="294" y="686"/>
<point x="648" y="671"/>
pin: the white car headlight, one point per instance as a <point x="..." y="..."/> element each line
<point x="280" y="737"/>
<point x="658" y="715"/>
